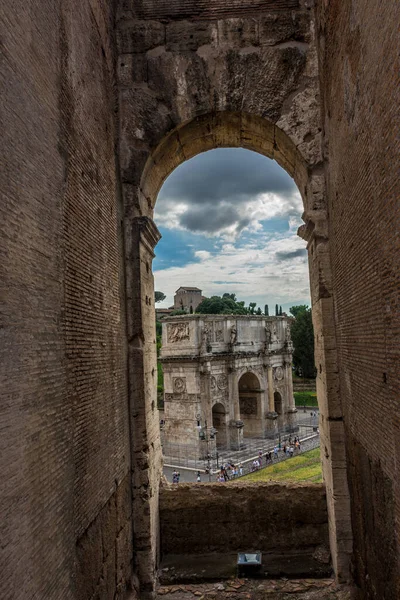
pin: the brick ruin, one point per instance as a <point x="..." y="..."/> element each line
<point x="102" y="100"/>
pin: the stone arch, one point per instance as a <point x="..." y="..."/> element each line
<point x="219" y="421"/>
<point x="187" y="139"/>
<point x="249" y="381"/>
<point x="225" y="130"/>
<point x="250" y="405"/>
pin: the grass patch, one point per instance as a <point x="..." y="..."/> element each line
<point x="305" y="398"/>
<point x="305" y="467"/>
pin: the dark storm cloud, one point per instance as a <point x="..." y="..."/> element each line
<point x="231" y="173"/>
<point x="290" y="255"/>
<point x="216" y="186"/>
<point x="212" y="218"/>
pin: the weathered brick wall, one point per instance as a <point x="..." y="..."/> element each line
<point x="204" y="9"/>
<point x="65" y="456"/>
<point x="358" y="47"/>
<point x="204" y="518"/>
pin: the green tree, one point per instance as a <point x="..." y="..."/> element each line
<point x="295" y="310"/>
<point x="302" y="333"/>
<point x="252" y="308"/>
<point x="280" y="311"/>
<point x="159" y="296"/>
<point x="266" y="310"/>
<point x="276" y="310"/>
<point x="231" y="296"/>
<point x="225" y="305"/>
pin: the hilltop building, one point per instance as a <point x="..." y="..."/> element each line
<point x="188" y="299"/>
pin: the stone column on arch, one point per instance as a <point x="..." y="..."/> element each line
<point x="291" y="409"/>
<point x="271" y="416"/>
<point x="141" y="237"/>
<point x="235" y="432"/>
<point x="264" y="402"/>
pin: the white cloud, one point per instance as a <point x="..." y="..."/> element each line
<point x="253" y="273"/>
<point x="202" y="254"/>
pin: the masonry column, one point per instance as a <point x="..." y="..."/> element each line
<point x="141" y="236"/>
<point x="333" y="450"/>
<point x="291" y="407"/>
<point x="271" y="416"/>
<point x="235" y="425"/>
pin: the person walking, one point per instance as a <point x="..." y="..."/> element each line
<point x="198" y="477"/>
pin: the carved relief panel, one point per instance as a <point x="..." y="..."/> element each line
<point x="248" y="405"/>
<point x="177" y="332"/>
<point x="279" y="373"/>
<point x="218" y="332"/>
<point x="179" y="384"/>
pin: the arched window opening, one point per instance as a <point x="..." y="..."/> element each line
<point x="229" y="247"/>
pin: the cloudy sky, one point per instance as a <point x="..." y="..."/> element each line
<point x="229" y="218"/>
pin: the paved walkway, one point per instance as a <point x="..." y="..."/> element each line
<point x="306" y="421"/>
<point x="188" y="475"/>
<point x="246" y="589"/>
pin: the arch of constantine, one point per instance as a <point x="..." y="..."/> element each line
<point x="232" y="372"/>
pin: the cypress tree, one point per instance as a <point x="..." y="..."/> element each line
<point x="266" y="311"/>
<point x="276" y="310"/>
<point x="280" y="311"/>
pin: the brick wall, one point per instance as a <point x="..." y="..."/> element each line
<point x="204" y="9"/>
<point x="360" y="83"/>
<point x="65" y="457"/>
<point x="204" y="518"/>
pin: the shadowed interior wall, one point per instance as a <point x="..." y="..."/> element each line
<point x="360" y="79"/>
<point x="65" y="456"/>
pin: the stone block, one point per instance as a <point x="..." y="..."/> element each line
<point x="238" y="33"/>
<point x="184" y="36"/>
<point x="139" y="36"/>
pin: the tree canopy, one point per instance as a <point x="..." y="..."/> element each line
<point x="159" y="296"/>
<point x="302" y="333"/>
<point x="222" y="305"/>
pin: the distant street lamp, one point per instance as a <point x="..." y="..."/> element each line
<point x="239" y="426"/>
<point x="206" y="435"/>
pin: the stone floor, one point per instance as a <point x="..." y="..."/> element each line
<point x="246" y="589"/>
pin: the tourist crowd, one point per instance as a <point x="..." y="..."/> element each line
<point x="230" y="470"/>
